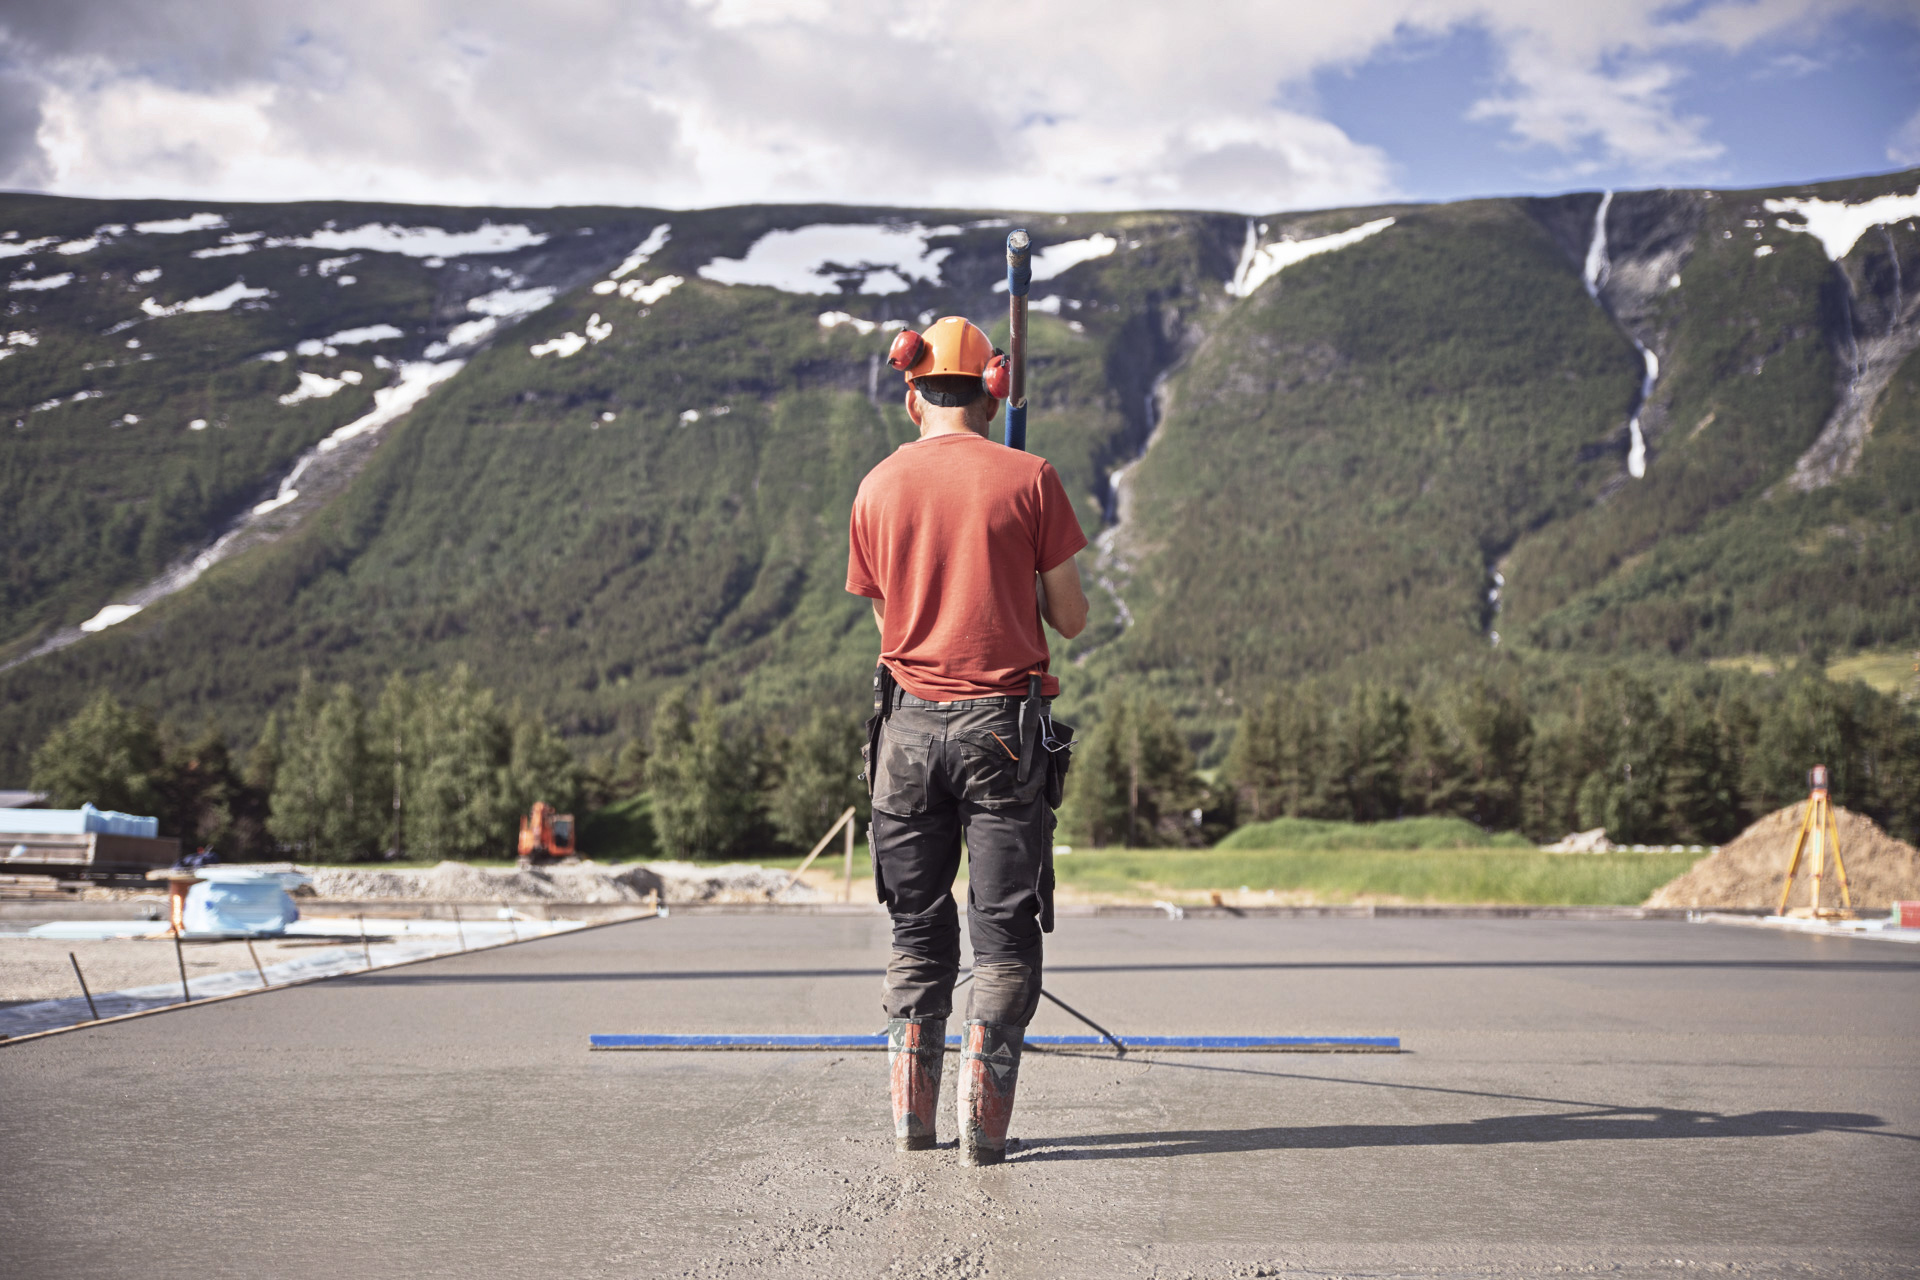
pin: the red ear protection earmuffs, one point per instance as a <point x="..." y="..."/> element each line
<point x="907" y="349"/>
<point x="997" y="377"/>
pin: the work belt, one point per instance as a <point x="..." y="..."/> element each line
<point x="1038" y="730"/>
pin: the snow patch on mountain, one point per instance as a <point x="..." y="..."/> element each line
<point x="416" y="379"/>
<point x="44" y="282"/>
<point x="1056" y="259"/>
<point x="881" y="258"/>
<point x="421" y="242"/>
<point x="493" y="309"/>
<point x="834" y="319"/>
<point x="220" y="301"/>
<point x="179" y="226"/>
<point x="314" y="386"/>
<point x="640" y="291"/>
<point x="21" y="248"/>
<point x="572" y="344"/>
<point x="507" y="303"/>
<point x="112" y="615"/>
<point x="1838" y="226"/>
<point x="656" y="241"/>
<point x="566" y="345"/>
<point x="364" y="334"/>
<point x="1260" y="263"/>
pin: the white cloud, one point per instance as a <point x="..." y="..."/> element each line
<point x="1904" y="146"/>
<point x="1032" y="104"/>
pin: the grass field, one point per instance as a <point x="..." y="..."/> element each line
<point x="1253" y="877"/>
<point x="1520" y="876"/>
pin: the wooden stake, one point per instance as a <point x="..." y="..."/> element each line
<point x="846" y="890"/>
<point x="825" y="840"/>
<point x="256" y="964"/>
<point x="182" y="962"/>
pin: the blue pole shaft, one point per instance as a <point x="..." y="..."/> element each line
<point x="1019" y="279"/>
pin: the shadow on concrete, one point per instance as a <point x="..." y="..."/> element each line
<point x="1607" y="1124"/>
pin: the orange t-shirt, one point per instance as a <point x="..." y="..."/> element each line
<point x="949" y="532"/>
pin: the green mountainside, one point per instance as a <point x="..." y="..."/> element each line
<point x="1403" y="459"/>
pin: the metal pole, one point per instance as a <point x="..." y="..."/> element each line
<point x="182" y="962"/>
<point x="1019" y="279"/>
<point x="256" y="964"/>
<point x="83" y="986"/>
<point x="1108" y="1035"/>
<point x="365" y="950"/>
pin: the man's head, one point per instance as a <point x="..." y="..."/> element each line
<point x="955" y="376"/>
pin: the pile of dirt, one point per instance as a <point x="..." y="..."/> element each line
<point x="589" y="882"/>
<point x="1749" y="872"/>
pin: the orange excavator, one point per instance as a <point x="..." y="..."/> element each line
<point x="546" y="837"/>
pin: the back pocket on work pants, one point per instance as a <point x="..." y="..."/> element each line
<point x="900" y="774"/>
<point x="991" y="770"/>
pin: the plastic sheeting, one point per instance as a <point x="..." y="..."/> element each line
<point x="86" y="820"/>
<point x="240" y="903"/>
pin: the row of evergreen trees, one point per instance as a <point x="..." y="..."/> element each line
<point x="1692" y="763"/>
<point x="436" y="767"/>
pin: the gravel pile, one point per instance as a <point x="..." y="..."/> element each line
<point x="1748" y="873"/>
<point x="624" y="882"/>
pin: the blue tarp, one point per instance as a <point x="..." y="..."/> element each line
<point x="76" y="822"/>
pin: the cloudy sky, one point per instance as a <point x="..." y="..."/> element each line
<point x="1256" y="105"/>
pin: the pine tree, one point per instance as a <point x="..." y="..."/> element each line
<point x="1133" y="781"/>
<point x="1625" y="738"/>
<point x="704" y="781"/>
<point x="109" y="755"/>
<point x="329" y="798"/>
<point x="818" y="778"/>
<point x="1702" y="795"/>
<point x="1375" y="742"/>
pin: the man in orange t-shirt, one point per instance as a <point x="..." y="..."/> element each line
<point x="963" y="546"/>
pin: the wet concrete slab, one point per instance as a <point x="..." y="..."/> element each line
<point x="1643" y="1097"/>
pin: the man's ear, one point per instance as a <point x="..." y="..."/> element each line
<point x="913" y="407"/>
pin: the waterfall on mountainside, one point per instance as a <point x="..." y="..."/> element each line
<point x="1595" y="275"/>
<point x="1596" y="272"/>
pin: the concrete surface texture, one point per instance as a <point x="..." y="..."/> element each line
<point x="1645" y="1098"/>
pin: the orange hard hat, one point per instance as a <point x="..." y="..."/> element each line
<point x="951" y="345"/>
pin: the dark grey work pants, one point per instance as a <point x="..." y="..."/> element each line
<point x="945" y="769"/>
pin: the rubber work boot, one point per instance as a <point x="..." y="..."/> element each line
<point x="916" y="1049"/>
<point x="989" y="1071"/>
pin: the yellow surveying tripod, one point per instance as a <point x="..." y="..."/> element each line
<point x="1818" y="824"/>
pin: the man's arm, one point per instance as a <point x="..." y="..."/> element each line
<point x="1062" y="603"/>
<point x="880" y="614"/>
